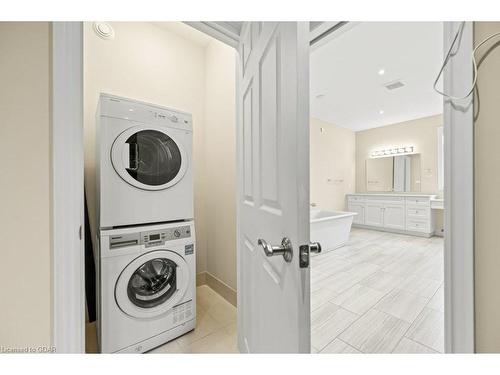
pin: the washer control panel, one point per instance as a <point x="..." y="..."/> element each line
<point x="159" y="237"/>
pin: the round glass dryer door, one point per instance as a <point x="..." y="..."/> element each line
<point x="149" y="158"/>
<point x="152" y="284"/>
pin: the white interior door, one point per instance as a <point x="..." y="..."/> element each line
<point x="273" y="186"/>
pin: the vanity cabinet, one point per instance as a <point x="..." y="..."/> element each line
<point x="374" y="214"/>
<point x="394" y="216"/>
<point x="409" y="214"/>
<point x="359" y="209"/>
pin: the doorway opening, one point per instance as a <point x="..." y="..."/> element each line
<point x="459" y="192"/>
<point x="166" y="68"/>
<point x="376" y="185"/>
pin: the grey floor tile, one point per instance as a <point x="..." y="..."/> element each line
<point x="322" y="314"/>
<point x="338" y="346"/>
<point x="408" y="346"/>
<point x="321" y="296"/>
<point x="358" y="299"/>
<point x="402" y="305"/>
<point x="437" y="300"/>
<point x="422" y="286"/>
<point x="382" y="281"/>
<point x="428" y="329"/>
<point x="375" y="332"/>
<point x="325" y="333"/>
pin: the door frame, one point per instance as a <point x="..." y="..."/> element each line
<point x="458" y="123"/>
<point x="68" y="256"/>
<point x="68" y="286"/>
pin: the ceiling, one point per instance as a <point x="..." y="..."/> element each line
<point x="186" y="32"/>
<point x="347" y="89"/>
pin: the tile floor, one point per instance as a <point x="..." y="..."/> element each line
<point x="381" y="293"/>
<point x="215" y="328"/>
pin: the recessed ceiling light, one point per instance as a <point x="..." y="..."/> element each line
<point x="381" y="72"/>
<point x="103" y="30"/>
<point x="381" y="112"/>
<point x="320" y="96"/>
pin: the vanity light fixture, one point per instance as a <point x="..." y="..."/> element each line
<point x="393" y="151"/>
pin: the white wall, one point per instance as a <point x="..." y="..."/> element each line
<point x="25" y="213"/>
<point x="220" y="162"/>
<point x="148" y="63"/>
<point x="332" y="165"/>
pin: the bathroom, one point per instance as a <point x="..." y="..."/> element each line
<point x="376" y="189"/>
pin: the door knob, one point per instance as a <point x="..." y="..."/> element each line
<point x="305" y="250"/>
<point x="285" y="249"/>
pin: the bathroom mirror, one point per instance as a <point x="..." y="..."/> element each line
<point x="393" y="174"/>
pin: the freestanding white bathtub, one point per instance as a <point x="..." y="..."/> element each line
<point x="330" y="228"/>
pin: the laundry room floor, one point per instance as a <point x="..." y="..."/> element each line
<point x="215" y="330"/>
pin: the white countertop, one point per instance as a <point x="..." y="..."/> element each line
<point x="437" y="203"/>
<point x="432" y="196"/>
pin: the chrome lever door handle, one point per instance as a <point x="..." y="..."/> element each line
<point x="315" y="247"/>
<point x="285" y="249"/>
<point x="305" y="250"/>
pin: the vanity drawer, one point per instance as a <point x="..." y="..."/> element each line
<point x="418" y="201"/>
<point x="417" y="225"/>
<point x="417" y="212"/>
<point x="390" y="199"/>
<point x="355" y="198"/>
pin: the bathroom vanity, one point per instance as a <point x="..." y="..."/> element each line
<point x="400" y="213"/>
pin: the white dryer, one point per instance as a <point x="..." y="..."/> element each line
<point x="145" y="169"/>
<point x="146" y="286"/>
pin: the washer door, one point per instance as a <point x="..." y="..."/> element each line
<point x="149" y="158"/>
<point x="152" y="284"/>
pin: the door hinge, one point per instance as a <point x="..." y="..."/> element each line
<point x="80" y="232"/>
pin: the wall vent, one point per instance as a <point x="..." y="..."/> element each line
<point x="394" y="85"/>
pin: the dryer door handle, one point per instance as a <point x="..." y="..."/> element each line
<point x="133" y="156"/>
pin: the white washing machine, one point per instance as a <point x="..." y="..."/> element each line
<point x="144" y="158"/>
<point x="146" y="286"/>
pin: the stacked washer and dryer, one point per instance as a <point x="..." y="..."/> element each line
<point x="146" y="246"/>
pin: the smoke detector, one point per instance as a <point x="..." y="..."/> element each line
<point x="103" y="30"/>
<point x="394" y="85"/>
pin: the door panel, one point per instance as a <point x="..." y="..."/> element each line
<point x="273" y="186"/>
